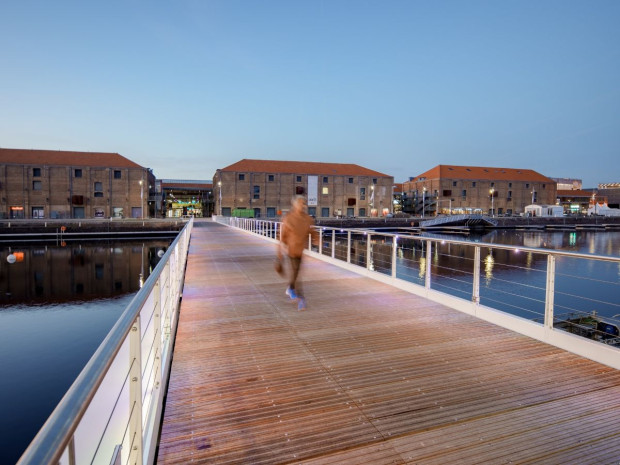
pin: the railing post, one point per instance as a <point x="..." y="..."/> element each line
<point x="135" y="393"/>
<point x="333" y="243"/>
<point x="475" y="294"/>
<point x="349" y="246"/>
<point x="427" y="276"/>
<point x="368" y="250"/>
<point x="394" y="247"/>
<point x="550" y="291"/>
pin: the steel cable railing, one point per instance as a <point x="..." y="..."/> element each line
<point x="113" y="409"/>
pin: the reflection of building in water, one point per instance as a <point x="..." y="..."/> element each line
<point x="76" y="272"/>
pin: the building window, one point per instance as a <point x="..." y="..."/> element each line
<point x="298" y="178"/>
<point x="271" y="212"/>
<point x="527" y="186"/>
<point x="447" y="193"/>
<point x="543" y="186"/>
<point x="464" y="193"/>
<point x="325" y="190"/>
<point x="225" y="211"/>
<point x="509" y="194"/>
<point x="473" y="184"/>
<point x="362" y="193"/>
<point x="37" y="185"/>
<point x="351" y="201"/>
<point x="350" y="180"/>
<point x="324" y="179"/>
<point x="36" y="172"/>
<point x="374" y="180"/>
<point x="242" y="177"/>
<point x="117" y="174"/>
<point x="38" y="212"/>
<point x="99" y="270"/>
<point x="312" y="211"/>
<point x="509" y="184"/>
<point x="362" y="212"/>
<point x="98" y="189"/>
<point x="299" y="190"/>
<point x="257" y="192"/>
<point x="271" y="178"/>
<point x="492" y="184"/>
<point x="453" y="183"/>
<point x="77" y="173"/>
<point x="325" y="212"/>
<point x="350" y="212"/>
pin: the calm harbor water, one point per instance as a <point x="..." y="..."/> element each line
<point x="56" y="306"/>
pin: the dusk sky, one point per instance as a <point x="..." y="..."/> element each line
<point x="187" y="87"/>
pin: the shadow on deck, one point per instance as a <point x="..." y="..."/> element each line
<point x="367" y="374"/>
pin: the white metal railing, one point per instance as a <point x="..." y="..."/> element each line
<point x="483" y="286"/>
<point x="112" y="412"/>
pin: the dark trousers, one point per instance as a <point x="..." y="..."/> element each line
<point x="293" y="284"/>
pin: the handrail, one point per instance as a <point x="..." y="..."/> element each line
<point x="384" y="250"/>
<point x="56" y="438"/>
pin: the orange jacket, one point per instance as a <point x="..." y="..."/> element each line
<point x="296" y="226"/>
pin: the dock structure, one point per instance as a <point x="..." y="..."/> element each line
<point x="368" y="374"/>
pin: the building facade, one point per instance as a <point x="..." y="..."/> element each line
<point x="332" y="189"/>
<point x="449" y="189"/>
<point x="187" y="198"/>
<point x="41" y="184"/>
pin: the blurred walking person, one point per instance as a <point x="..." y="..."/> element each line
<point x="297" y="225"/>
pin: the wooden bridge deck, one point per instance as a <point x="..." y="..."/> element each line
<point x="368" y="374"/>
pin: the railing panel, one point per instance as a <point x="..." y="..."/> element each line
<point x="116" y="400"/>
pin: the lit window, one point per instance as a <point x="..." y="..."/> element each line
<point x="325" y="190"/>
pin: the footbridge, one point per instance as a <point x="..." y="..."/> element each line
<point x="467" y="221"/>
<point x="382" y="367"/>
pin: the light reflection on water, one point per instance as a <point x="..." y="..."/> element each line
<point x="56" y="307"/>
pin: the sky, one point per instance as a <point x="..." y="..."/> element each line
<point x="188" y="87"/>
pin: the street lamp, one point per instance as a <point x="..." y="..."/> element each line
<point x="533" y="194"/>
<point x="423" y="200"/>
<point x="219" y="185"/>
<point x="492" y="192"/>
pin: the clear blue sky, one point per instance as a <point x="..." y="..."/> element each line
<point x="186" y="87"/>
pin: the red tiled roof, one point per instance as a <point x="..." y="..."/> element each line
<point x="398" y="187"/>
<point x="65" y="158"/>
<point x="482" y="172"/>
<point x="301" y="167"/>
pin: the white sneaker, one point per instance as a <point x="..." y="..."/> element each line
<point x="291" y="293"/>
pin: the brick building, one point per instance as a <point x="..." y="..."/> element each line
<point x="332" y="189"/>
<point x="473" y="189"/>
<point x="63" y="184"/>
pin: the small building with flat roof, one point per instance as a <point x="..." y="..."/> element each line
<point x="183" y="197"/>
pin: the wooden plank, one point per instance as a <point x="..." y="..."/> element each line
<point x="368" y="374"/>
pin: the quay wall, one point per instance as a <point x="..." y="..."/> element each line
<point x="74" y="228"/>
